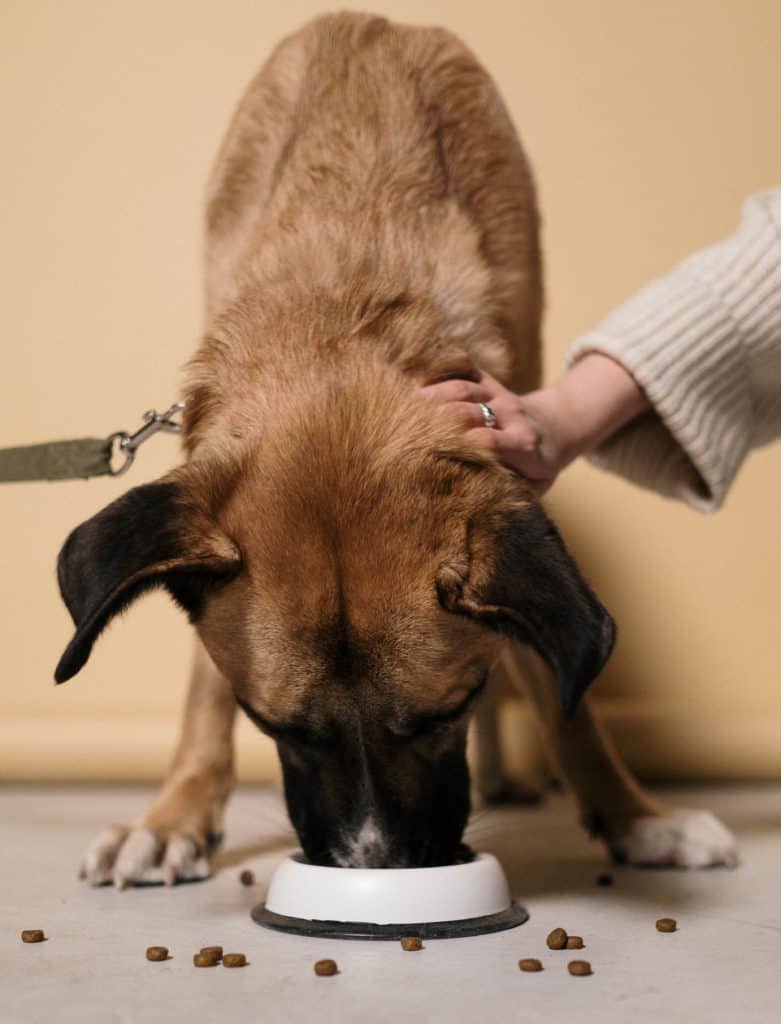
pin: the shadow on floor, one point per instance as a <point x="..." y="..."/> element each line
<point x="236" y="855"/>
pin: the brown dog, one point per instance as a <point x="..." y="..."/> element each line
<point x="354" y="565"/>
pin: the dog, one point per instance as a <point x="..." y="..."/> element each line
<point x="356" y="568"/>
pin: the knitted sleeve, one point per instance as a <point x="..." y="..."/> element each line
<point x="704" y="343"/>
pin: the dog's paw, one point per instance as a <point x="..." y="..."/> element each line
<point x="680" y="839"/>
<point x="141" y="856"/>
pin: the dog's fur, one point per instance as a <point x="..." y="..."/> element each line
<point x="353" y="563"/>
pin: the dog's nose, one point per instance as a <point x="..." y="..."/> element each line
<point x="366" y="846"/>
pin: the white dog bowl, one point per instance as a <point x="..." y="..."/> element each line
<point x="386" y="903"/>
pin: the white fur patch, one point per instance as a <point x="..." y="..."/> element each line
<point x="101" y="853"/>
<point x="683" y="839"/>
<point x="125" y="856"/>
<point x="367" y="848"/>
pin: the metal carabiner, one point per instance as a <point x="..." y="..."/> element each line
<point x="154" y="422"/>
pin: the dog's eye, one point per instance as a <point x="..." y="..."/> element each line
<point x="302" y="737"/>
<point x="298" y="735"/>
<point x="422" y="729"/>
<point x="420" y="726"/>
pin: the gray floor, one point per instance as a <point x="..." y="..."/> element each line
<point x="724" y="964"/>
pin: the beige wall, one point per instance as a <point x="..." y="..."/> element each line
<point x="647" y="124"/>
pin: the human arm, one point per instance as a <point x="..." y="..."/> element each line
<point x="672" y="389"/>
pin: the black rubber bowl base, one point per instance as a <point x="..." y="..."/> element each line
<point x="513" y="916"/>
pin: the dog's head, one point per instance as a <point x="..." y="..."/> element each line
<point x="356" y="593"/>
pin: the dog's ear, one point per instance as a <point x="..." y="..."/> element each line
<point x="518" y="578"/>
<point x="151" y="536"/>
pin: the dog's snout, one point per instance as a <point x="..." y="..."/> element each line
<point x="358" y="805"/>
<point x="367" y="846"/>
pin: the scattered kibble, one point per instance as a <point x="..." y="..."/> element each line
<point x="411" y="943"/>
<point x="666" y="924"/>
<point x="157" y="953"/>
<point x="604" y="879"/>
<point x="579" y="968"/>
<point x="205" y="960"/>
<point x="574" y="942"/>
<point x="33" y="935"/>
<point x="325" y="968"/>
<point x="530" y="963"/>
<point x="234" y="960"/>
<point x="215" y="951"/>
<point x="557" y="939"/>
<point x="247" y="877"/>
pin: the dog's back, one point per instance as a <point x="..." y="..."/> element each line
<point x="371" y="173"/>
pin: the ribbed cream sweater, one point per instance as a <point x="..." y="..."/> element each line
<point x="704" y="343"/>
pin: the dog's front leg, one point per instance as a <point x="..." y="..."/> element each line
<point x="636" y="828"/>
<point x="174" y="839"/>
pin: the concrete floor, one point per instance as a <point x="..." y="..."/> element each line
<point x="724" y="964"/>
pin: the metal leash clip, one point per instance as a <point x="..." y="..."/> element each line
<point x="154" y="422"/>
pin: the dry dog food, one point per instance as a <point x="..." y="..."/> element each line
<point x="215" y="951"/>
<point x="666" y="924"/>
<point x="33" y="935"/>
<point x="580" y="968"/>
<point x="604" y="879"/>
<point x="234" y="960"/>
<point x="325" y="968"/>
<point x="530" y="963"/>
<point x="557" y="939"/>
<point x="247" y="877"/>
<point x="411" y="943"/>
<point x="574" y="942"/>
<point x="205" y="960"/>
<point x="157" y="953"/>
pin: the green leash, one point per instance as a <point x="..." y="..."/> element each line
<point x="85" y="457"/>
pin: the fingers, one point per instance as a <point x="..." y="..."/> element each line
<point x="519" y="452"/>
<point x="458" y="391"/>
<point x="517" y="438"/>
<point x="464" y="397"/>
<point x="469" y="413"/>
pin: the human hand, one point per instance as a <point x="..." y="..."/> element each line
<point x="527" y="437"/>
<point x="541" y="432"/>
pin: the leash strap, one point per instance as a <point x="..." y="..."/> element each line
<point x="57" y="460"/>
<point x="84" y="457"/>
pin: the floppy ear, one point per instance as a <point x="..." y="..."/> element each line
<point x="518" y="578"/>
<point x="151" y="536"/>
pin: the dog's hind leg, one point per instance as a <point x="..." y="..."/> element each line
<point x="636" y="828"/>
<point x="494" y="783"/>
<point x="175" y="838"/>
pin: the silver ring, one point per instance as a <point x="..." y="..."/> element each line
<point x="489" y="416"/>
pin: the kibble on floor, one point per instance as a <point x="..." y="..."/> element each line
<point x="574" y="942"/>
<point x="666" y="924"/>
<point x="205" y="960"/>
<point x="157" y="953"/>
<point x="557" y="939"/>
<point x="33" y="935"/>
<point x="579" y="968"/>
<point x="247" y="877"/>
<point x="94" y="961"/>
<point x="215" y="951"/>
<point x="411" y="943"/>
<point x="326" y="968"/>
<point x="530" y="964"/>
<point x="234" y="960"/>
